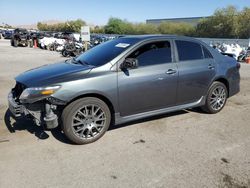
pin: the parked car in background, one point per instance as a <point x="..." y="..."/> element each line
<point x="125" y="79"/>
<point x="7" y="34"/>
<point x="21" y="37"/>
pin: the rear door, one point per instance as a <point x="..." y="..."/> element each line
<point x="196" y="71"/>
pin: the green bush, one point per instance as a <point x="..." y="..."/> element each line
<point x="70" y="26"/>
<point x="226" y="23"/>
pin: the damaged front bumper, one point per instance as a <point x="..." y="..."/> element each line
<point x="41" y="113"/>
<point x="16" y="109"/>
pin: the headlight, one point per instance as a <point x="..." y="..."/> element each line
<point x="34" y="94"/>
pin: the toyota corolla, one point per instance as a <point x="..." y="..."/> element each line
<point x="125" y="79"/>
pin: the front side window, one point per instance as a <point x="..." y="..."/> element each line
<point x="189" y="50"/>
<point x="153" y="53"/>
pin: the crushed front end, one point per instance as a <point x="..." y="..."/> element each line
<point x="35" y="103"/>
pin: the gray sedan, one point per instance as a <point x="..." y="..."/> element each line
<point x="125" y="79"/>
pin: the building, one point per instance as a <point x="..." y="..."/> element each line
<point x="190" y="20"/>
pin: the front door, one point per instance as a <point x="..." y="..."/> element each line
<point x="153" y="84"/>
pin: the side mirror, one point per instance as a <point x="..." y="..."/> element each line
<point x="131" y="63"/>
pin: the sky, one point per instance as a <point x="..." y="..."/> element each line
<point x="97" y="12"/>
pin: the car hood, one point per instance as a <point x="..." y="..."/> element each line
<point x="53" y="74"/>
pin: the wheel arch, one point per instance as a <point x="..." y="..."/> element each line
<point x="224" y="81"/>
<point x="95" y="95"/>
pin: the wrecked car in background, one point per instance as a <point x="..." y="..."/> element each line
<point x="21" y="37"/>
<point x="7" y="34"/>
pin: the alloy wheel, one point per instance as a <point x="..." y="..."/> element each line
<point x="88" y="121"/>
<point x="218" y="98"/>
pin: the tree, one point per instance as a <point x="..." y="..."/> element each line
<point x="42" y="26"/>
<point x="114" y="26"/>
<point x="143" y="28"/>
<point x="118" y="26"/>
<point x="176" y="28"/>
<point x="244" y="23"/>
<point x="226" y="23"/>
<point x="97" y="29"/>
<point x="69" y="26"/>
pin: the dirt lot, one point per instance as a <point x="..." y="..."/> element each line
<point x="183" y="149"/>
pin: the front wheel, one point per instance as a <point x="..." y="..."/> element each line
<point x="86" y="120"/>
<point x="216" y="98"/>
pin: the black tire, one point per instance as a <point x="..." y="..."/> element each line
<point x="15" y="43"/>
<point x="215" y="103"/>
<point x="78" y="113"/>
<point x="11" y="42"/>
<point x="65" y="53"/>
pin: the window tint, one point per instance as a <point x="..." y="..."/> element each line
<point x="206" y="53"/>
<point x="189" y="50"/>
<point x="153" y="53"/>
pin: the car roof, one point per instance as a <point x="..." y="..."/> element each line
<point x="159" y="36"/>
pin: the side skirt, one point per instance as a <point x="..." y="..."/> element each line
<point x="119" y="119"/>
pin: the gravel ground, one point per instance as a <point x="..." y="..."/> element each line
<point x="182" y="149"/>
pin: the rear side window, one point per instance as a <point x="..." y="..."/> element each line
<point x="189" y="50"/>
<point x="206" y="53"/>
<point x="153" y="53"/>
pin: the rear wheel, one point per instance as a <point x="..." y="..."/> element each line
<point x="86" y="120"/>
<point x="216" y="98"/>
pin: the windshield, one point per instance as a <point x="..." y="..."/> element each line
<point x="105" y="52"/>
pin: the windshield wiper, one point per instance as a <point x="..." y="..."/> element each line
<point x="78" y="61"/>
<point x="66" y="60"/>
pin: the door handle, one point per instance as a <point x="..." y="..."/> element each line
<point x="171" y="71"/>
<point x="210" y="66"/>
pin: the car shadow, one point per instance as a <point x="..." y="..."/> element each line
<point x="197" y="110"/>
<point x="144" y="120"/>
<point x="24" y="124"/>
<point x="58" y="134"/>
<point x="27" y="124"/>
